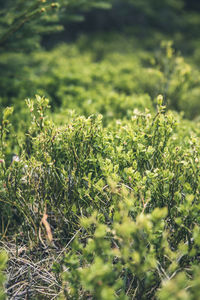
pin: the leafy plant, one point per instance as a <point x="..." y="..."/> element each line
<point x="3" y="260"/>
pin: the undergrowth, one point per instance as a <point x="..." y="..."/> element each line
<point x="116" y="206"/>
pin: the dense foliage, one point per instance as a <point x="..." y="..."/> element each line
<point x="99" y="150"/>
<point x="135" y="185"/>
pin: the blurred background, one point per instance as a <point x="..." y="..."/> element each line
<point x="148" y="20"/>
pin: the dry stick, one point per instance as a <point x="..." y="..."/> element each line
<point x="130" y="285"/>
<point x="47" y="227"/>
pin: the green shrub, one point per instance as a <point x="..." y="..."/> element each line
<point x="130" y="258"/>
<point x="131" y="189"/>
<point x="70" y="169"/>
<point x="3" y="260"/>
<point x="180" y="81"/>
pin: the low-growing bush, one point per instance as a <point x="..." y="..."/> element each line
<point x="69" y="167"/>
<point x="130" y="257"/>
<point x="128" y="193"/>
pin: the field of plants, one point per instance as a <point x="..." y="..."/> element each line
<point x="100" y="150"/>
